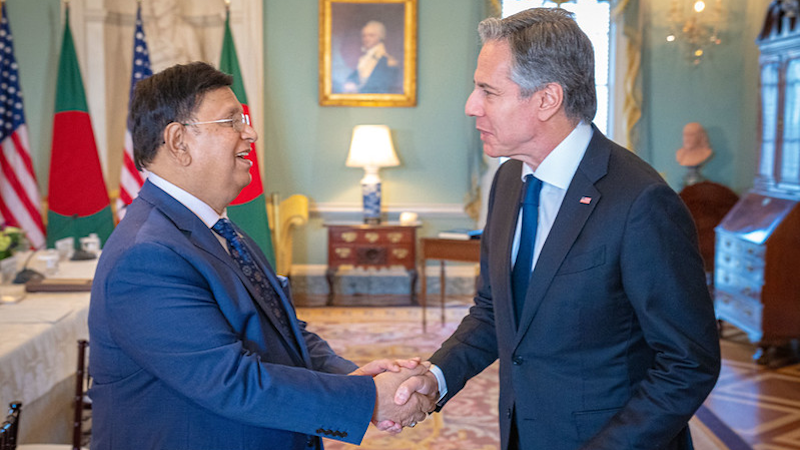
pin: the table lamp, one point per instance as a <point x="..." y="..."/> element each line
<point x="371" y="148"/>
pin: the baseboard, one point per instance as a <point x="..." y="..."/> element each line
<point x="309" y="279"/>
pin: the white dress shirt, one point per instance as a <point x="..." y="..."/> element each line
<point x="556" y="173"/>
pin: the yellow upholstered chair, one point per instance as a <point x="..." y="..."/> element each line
<point x="284" y="217"/>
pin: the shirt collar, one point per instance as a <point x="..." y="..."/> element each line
<point x="560" y="165"/>
<point x="195" y="205"/>
<point x="377" y="51"/>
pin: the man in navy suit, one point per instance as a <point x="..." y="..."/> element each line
<point x="195" y="342"/>
<point x="610" y="342"/>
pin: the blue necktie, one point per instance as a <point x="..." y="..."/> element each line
<point x="521" y="275"/>
<point x="257" y="278"/>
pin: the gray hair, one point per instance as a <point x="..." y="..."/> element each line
<point x="379" y="26"/>
<point x="547" y="46"/>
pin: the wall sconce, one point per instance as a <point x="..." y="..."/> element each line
<point x="371" y="148"/>
<point x="697" y="27"/>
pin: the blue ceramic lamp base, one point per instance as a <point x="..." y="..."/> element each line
<point x="371" y="193"/>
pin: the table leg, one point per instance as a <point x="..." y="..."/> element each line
<point x="413" y="295"/>
<point x="329" y="273"/>
<point x="443" y="287"/>
<point x="423" y="297"/>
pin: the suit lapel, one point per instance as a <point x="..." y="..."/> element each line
<point x="205" y="239"/>
<point x="571" y="218"/>
<point x="296" y="340"/>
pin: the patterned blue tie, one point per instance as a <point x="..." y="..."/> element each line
<point x="257" y="278"/>
<point x="521" y="274"/>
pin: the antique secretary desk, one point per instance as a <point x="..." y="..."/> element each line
<point x="757" y="262"/>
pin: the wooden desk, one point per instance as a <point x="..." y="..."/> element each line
<point x="362" y="245"/>
<point x="444" y="250"/>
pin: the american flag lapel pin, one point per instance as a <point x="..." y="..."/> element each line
<point x="586" y="200"/>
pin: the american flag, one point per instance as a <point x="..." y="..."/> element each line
<point x="20" y="203"/>
<point x="131" y="180"/>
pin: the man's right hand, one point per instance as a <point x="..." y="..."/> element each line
<point x="415" y="407"/>
<point x="424" y="384"/>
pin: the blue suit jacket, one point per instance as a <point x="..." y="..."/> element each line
<point x="384" y="79"/>
<point x="617" y="344"/>
<point x="185" y="357"/>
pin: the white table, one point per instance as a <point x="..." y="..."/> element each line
<point x="38" y="342"/>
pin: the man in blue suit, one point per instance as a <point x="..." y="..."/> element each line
<point x="195" y="342"/>
<point x="592" y="292"/>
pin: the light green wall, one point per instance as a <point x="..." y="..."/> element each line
<point x="36" y="27"/>
<point x="306" y="145"/>
<point x="720" y="93"/>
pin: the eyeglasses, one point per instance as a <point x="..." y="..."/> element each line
<point x="237" y="122"/>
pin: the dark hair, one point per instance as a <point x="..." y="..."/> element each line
<point x="547" y="46"/>
<point x="168" y="96"/>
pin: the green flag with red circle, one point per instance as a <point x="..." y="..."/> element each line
<point x="78" y="202"/>
<point x="249" y="209"/>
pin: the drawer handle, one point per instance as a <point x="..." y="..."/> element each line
<point x="342" y="252"/>
<point x="750" y="251"/>
<point x="372" y="237"/>
<point x="394" y="238"/>
<point x="400" y="253"/>
<point x="349" y="236"/>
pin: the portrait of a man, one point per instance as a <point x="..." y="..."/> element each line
<point x="377" y="72"/>
<point x="368" y="53"/>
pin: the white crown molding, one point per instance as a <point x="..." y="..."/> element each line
<point x="349" y="211"/>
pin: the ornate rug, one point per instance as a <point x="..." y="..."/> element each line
<point x="469" y="421"/>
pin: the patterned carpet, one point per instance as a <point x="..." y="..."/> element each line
<point x="363" y="334"/>
<point x="469" y="421"/>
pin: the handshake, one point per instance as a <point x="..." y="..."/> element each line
<point x="406" y="392"/>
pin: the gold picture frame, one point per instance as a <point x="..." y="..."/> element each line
<point x="353" y="74"/>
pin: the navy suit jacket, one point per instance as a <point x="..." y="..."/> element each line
<point x="617" y="344"/>
<point x="384" y="79"/>
<point x="185" y="357"/>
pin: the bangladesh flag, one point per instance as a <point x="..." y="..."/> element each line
<point x="77" y="197"/>
<point x="249" y="209"/>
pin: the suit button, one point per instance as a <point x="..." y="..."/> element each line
<point x="508" y="413"/>
<point x="517" y="361"/>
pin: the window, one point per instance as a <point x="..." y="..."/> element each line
<point x="593" y="16"/>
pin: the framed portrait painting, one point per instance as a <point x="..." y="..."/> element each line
<point x="368" y="52"/>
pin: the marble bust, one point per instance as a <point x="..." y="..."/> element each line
<point x="694" y="153"/>
<point x="695" y="150"/>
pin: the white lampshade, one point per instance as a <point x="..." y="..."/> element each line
<point x="372" y="146"/>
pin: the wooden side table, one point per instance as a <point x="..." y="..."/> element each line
<point x="444" y="250"/>
<point x="362" y="245"/>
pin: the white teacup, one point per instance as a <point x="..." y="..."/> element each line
<point x="90" y="244"/>
<point x="65" y="248"/>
